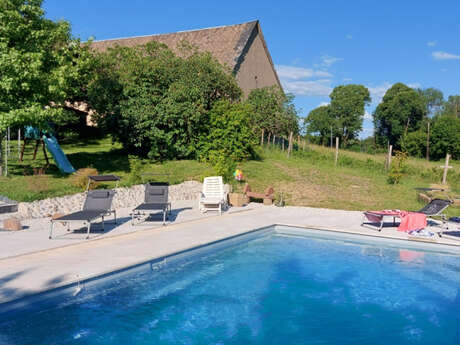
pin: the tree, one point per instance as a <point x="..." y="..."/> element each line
<point x="452" y="106"/>
<point x="319" y="121"/>
<point x="347" y="108"/>
<point x="41" y="65"/>
<point x="433" y="99"/>
<point x="274" y="112"/>
<point x="156" y="103"/>
<point x="445" y="137"/>
<point x="400" y="112"/>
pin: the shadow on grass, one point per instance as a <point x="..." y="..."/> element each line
<point x="114" y="160"/>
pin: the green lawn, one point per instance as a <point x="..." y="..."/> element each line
<point x="308" y="178"/>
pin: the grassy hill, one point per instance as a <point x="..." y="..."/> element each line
<point x="308" y="178"/>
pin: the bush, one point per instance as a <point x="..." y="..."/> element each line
<point x="229" y="134"/>
<point x="80" y="178"/>
<point x="398" y="168"/>
<point x="414" y="143"/>
<point x="136" y="168"/>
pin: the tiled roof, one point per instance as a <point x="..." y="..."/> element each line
<point x="225" y="43"/>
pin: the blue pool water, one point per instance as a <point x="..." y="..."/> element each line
<point x="272" y="290"/>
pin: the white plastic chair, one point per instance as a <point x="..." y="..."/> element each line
<point x="212" y="197"/>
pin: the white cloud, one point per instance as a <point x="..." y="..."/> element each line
<point x="439" y="55"/>
<point x="349" y="37"/>
<point x="377" y="92"/>
<point x="328" y="61"/>
<point x="321" y="87"/>
<point x="367" y="115"/>
<point x="431" y="43"/>
<point x="296" y="73"/>
<point x="415" y="85"/>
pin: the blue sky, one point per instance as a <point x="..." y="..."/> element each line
<point x="315" y="45"/>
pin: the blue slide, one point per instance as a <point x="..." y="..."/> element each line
<point x="59" y="157"/>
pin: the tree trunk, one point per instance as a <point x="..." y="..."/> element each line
<point x="262" y="138"/>
<point x="269" y="137"/>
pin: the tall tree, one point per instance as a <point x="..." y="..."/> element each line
<point x="452" y="106"/>
<point x="347" y="108"/>
<point x="41" y="65"/>
<point x="320" y="122"/>
<point x="400" y="112"/>
<point x="433" y="99"/>
<point x="274" y="111"/>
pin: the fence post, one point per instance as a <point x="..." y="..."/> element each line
<point x="290" y="144"/>
<point x="446" y="167"/>
<point x="274" y="136"/>
<point x="390" y="150"/>
<point x="336" y="150"/>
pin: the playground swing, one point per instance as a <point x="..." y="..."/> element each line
<point x="32" y="133"/>
<point x="49" y="142"/>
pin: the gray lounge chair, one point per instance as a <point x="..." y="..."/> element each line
<point x="435" y="208"/>
<point x="155" y="199"/>
<point x="97" y="204"/>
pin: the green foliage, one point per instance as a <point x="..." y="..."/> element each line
<point x="274" y="111"/>
<point x="414" y="143"/>
<point x="400" y="112"/>
<point x="433" y="99"/>
<point x="320" y="122"/>
<point x="344" y="116"/>
<point x="136" y="169"/>
<point x="41" y="65"/>
<point x="445" y="137"/>
<point x="155" y="103"/>
<point x="347" y="109"/>
<point x="398" y="168"/>
<point x="452" y="106"/>
<point x="230" y="133"/>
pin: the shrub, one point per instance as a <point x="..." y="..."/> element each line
<point x="398" y="168"/>
<point x="414" y="143"/>
<point x="230" y="135"/>
<point x="80" y="178"/>
<point x="136" y="168"/>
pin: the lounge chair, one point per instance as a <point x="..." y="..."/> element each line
<point x="155" y="199"/>
<point x="212" y="197"/>
<point x="97" y="204"/>
<point x="434" y="209"/>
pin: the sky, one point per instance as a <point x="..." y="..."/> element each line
<point x="315" y="45"/>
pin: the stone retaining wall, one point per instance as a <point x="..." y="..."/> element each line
<point x="124" y="197"/>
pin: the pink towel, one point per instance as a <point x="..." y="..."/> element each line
<point x="409" y="220"/>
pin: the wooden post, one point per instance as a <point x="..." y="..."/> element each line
<point x="446" y="167"/>
<point x="274" y="136"/>
<point x="390" y="150"/>
<point x="262" y="138"/>
<point x="282" y="143"/>
<point x="19" y="143"/>
<point x="336" y="150"/>
<point x="428" y="143"/>
<point x="290" y="144"/>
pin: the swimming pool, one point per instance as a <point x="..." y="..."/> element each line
<point x="269" y="288"/>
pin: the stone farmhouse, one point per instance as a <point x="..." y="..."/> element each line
<point x="240" y="47"/>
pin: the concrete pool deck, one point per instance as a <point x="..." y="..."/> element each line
<point x="30" y="263"/>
